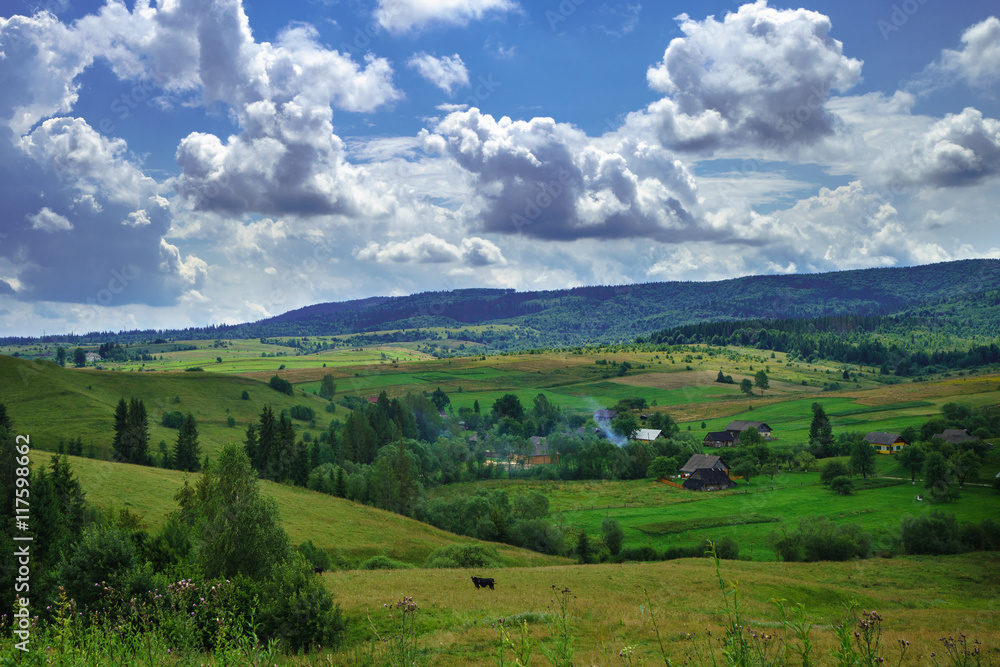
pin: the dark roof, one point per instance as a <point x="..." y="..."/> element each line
<point x="742" y="425"/>
<point x="703" y="461"/>
<point x="879" y="438"/>
<point x="605" y="414"/>
<point x="584" y="431"/>
<point x="719" y="436"/>
<point x="955" y="435"/>
<point x="703" y="477"/>
<point x="541" y="448"/>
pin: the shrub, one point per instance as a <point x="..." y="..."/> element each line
<point x="314" y="556"/>
<point x="296" y="609"/>
<point x="280" y="384"/>
<point x="933" y="533"/>
<point x="303" y="413"/>
<point x="613" y="535"/>
<point x="245" y="395"/>
<point x="173" y="419"/>
<point x="644" y="553"/>
<point x="464" y="555"/>
<point x="383" y="563"/>
<point x="842" y="484"/>
<point x="831" y="471"/>
<point x="821" y="539"/>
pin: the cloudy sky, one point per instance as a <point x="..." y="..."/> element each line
<point x="192" y="162"/>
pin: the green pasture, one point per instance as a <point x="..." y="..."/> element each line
<point x="48" y="403"/>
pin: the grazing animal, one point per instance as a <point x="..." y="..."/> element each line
<point x="318" y="570"/>
<point x="483" y="582"/>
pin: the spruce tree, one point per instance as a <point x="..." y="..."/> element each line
<point x="121" y="440"/>
<point x="137" y="433"/>
<point x="187" y="452"/>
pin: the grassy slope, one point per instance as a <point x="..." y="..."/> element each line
<point x="350" y="531"/>
<point x="920" y="598"/>
<point x="49" y="403"/>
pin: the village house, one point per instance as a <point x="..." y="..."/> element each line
<point x="647" y="435"/>
<point x="720" y="439"/>
<point x="539" y="453"/>
<point x="605" y="415"/>
<point x="708" y="479"/>
<point x="885" y="443"/>
<point x="955" y="435"/>
<point x="699" y="461"/>
<point x="738" y="425"/>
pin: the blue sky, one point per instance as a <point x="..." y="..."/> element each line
<point x="214" y="161"/>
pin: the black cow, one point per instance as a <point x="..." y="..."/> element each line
<point x="318" y="570"/>
<point x="483" y="582"/>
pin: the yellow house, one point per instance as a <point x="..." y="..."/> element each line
<point x="885" y="443"/>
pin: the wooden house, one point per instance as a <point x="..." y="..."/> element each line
<point x="699" y="461"/>
<point x="955" y="435"/>
<point x="708" y="479"/>
<point x="885" y="443"/>
<point x="720" y="439"/>
<point x="647" y="435"/>
<point x="739" y="425"/>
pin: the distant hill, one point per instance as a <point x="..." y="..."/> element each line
<point x="619" y="313"/>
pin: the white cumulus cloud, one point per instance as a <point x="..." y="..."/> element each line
<point x="400" y="16"/>
<point x="446" y="72"/>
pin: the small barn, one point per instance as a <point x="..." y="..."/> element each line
<point x="708" y="479"/>
<point x="605" y="415"/>
<point x="738" y="425"/>
<point x="885" y="443"/>
<point x="700" y="461"/>
<point x="720" y="439"/>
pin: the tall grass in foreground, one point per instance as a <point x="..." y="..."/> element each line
<point x="403" y="633"/>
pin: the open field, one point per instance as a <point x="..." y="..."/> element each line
<point x="659" y="515"/>
<point x="921" y="599"/>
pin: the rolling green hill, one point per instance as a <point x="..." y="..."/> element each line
<point x="348" y="531"/>
<point x="49" y="403"/>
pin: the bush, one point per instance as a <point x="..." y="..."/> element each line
<point x="645" y="553"/>
<point x="384" y="563"/>
<point x="280" y="384"/>
<point x="933" y="533"/>
<point x="245" y="395"/>
<point x="173" y="419"/>
<point x="842" y="484"/>
<point x="314" y="556"/>
<point x="464" y="555"/>
<point x="303" y="413"/>
<point x="662" y="466"/>
<point x="296" y="609"/>
<point x="832" y="470"/>
<point x="821" y="539"/>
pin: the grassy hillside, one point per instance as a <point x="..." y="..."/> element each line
<point x="49" y="403"/>
<point x="348" y="531"/>
<point x="608" y="606"/>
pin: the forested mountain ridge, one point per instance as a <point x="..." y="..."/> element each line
<point x="956" y="292"/>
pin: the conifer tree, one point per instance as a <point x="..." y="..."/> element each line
<point x="187" y="452"/>
<point x="120" y="442"/>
